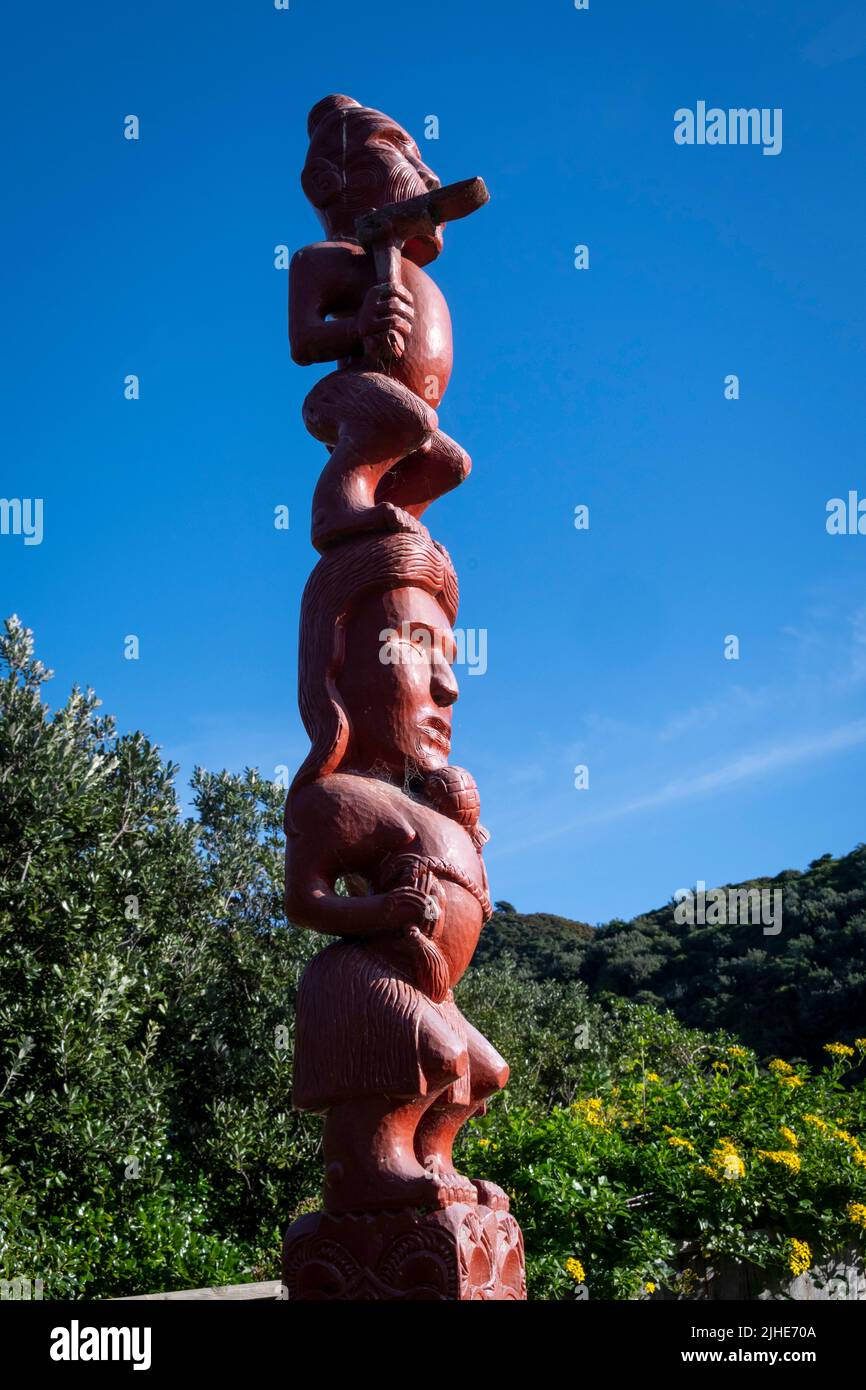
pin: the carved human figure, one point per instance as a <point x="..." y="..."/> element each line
<point x="380" y="1044"/>
<point x="377" y="411"/>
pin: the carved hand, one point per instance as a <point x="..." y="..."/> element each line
<point x="385" y="319"/>
<point x="410" y="907"/>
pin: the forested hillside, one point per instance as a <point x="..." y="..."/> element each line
<point x="784" y="993"/>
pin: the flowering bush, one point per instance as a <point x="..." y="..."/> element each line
<point x="758" y="1163"/>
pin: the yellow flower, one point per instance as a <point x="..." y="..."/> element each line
<point x="856" y="1212"/>
<point x="857" y="1152"/>
<point x="653" y="1076"/>
<point x="737" y="1052"/>
<point x="789" y="1136"/>
<point x="839" y="1049"/>
<point x="721" y="1066"/>
<point x="677" y="1143"/>
<point x="816" y="1121"/>
<point x="799" y="1256"/>
<point x="727" y="1162"/>
<point x="651" y="1288"/>
<point x="706" y="1170"/>
<point x="784" y="1157"/>
<point x="791" y="1080"/>
<point x="779" y="1067"/>
<point x="576" y="1270"/>
<point x="591" y="1111"/>
<point x="860" y="1042"/>
<point x="844" y="1136"/>
<point x="484" y="1142"/>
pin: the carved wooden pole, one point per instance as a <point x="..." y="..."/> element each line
<point x="381" y="1046"/>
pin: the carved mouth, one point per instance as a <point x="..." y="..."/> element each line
<point x="437" y="731"/>
<point x="424" y="249"/>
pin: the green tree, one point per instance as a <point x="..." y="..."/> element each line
<point x="146" y="1007"/>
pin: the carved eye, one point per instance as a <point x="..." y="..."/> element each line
<point x="418" y="643"/>
<point x="397" y="139"/>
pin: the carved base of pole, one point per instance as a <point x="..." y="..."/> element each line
<point x="459" y="1253"/>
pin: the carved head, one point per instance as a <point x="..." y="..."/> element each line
<point x="374" y="675"/>
<point x="360" y="159"/>
<point x="396" y="683"/>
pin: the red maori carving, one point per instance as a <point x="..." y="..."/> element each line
<point x="383" y="839"/>
<point x="361" y="299"/>
<point x="461" y="1253"/>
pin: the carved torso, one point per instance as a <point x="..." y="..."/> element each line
<point x="344" y="272"/>
<point x="374" y="822"/>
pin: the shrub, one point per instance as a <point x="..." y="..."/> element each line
<point x="765" y="1164"/>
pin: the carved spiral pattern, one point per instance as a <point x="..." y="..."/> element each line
<point x="459" y="1254"/>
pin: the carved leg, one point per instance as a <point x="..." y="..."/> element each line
<point x="371" y="422"/>
<point x="434" y="1140"/>
<point x="370" y="1158"/>
<point x="426" y="474"/>
<point x="438" y="1128"/>
<point x="370" y="1161"/>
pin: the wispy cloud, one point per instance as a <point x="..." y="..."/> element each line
<point x="843" y="38"/>
<point x="749" y="767"/>
<point x="812" y="691"/>
<point x="835" y="646"/>
<point x="701" y="716"/>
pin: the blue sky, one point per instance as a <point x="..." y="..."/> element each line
<point x="603" y="387"/>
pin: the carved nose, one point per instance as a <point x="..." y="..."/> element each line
<point x="443" y="685"/>
<point x="429" y="178"/>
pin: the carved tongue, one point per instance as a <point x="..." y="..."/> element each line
<point x="457" y="200"/>
<point x="419" y="216"/>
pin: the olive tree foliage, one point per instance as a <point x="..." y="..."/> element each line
<point x="147" y="991"/>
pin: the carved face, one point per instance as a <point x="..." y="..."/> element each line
<point x="396" y="683"/>
<point x="362" y="159"/>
